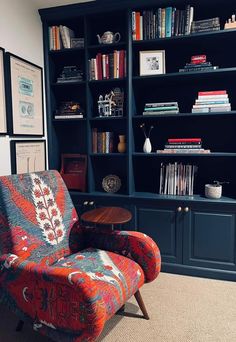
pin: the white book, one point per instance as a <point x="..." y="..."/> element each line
<point x="212" y="97"/>
<point x="212" y="105"/>
<point x="69" y="116"/>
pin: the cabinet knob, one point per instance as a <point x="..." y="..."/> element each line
<point x="186" y="209"/>
<point x="179" y="209"/>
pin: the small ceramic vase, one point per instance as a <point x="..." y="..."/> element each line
<point x="122" y="144"/>
<point x="147" y="146"/>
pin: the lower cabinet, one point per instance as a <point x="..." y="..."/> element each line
<point x="193" y="239"/>
<point x="209" y="239"/>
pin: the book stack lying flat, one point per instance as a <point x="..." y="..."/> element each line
<point x="212" y="24"/>
<point x="161" y="108"/>
<point x="184" y="145"/>
<point x="177" y="179"/>
<point x="212" y="101"/>
<point x="198" y="63"/>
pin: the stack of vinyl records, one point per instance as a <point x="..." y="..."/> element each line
<point x="198" y="63"/>
<point x="212" y="24"/>
<point x="177" y="179"/>
<point x="183" y="145"/>
<point x="157" y="108"/>
<point x="212" y="101"/>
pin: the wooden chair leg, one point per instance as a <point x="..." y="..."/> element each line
<point x="20" y="325"/>
<point x="140" y="302"/>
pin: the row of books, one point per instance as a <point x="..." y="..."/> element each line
<point x="198" y="63"/>
<point x="212" y="24"/>
<point x="177" y="179"/>
<point x="212" y="101"/>
<point x="102" y="142"/>
<point x="60" y="37"/>
<point x="161" y="22"/>
<point x="108" y="66"/>
<point x="183" y="145"/>
<point x="156" y="108"/>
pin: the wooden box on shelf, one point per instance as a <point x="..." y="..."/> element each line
<point x="74" y="170"/>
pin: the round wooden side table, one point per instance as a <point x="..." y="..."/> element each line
<point x="107" y="216"/>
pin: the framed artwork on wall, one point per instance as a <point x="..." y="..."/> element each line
<point x="28" y="156"/>
<point x="3" y="120"/>
<point x="25" y="100"/>
<point x="152" y="62"/>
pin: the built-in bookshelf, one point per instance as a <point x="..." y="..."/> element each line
<point x="189" y="228"/>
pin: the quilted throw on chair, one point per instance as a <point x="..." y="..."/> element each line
<point x="66" y="280"/>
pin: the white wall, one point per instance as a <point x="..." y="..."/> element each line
<point x="21" y="34"/>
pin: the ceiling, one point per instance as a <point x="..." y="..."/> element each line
<point x="53" y="3"/>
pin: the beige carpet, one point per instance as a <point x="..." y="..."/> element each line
<point x="182" y="309"/>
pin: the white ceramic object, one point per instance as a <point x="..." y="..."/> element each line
<point x="212" y="191"/>
<point x="147" y="146"/>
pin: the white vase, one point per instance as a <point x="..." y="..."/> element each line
<point x="147" y="146"/>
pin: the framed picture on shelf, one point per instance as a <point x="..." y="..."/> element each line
<point x="28" y="156"/>
<point x="25" y="101"/>
<point x="3" y="121"/>
<point x="152" y="62"/>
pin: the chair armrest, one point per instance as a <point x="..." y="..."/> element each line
<point x="59" y="297"/>
<point x="135" y="245"/>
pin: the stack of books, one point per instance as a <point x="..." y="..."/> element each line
<point x="177" y="179"/>
<point x="212" y="24"/>
<point x="183" y="145"/>
<point x="212" y="101"/>
<point x="157" y="108"/>
<point x="198" y="63"/>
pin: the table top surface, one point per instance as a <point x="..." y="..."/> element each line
<point x="107" y="215"/>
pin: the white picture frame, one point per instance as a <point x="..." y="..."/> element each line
<point x="28" y="156"/>
<point x="26" y="97"/>
<point x="152" y="62"/>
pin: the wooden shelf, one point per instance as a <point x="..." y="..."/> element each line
<point x="159" y="155"/>
<point x="183" y="115"/>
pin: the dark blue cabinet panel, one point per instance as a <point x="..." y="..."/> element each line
<point x="164" y="226"/>
<point x="209" y="240"/>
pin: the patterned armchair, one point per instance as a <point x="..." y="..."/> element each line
<point x="65" y="279"/>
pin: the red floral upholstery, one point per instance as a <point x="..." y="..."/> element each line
<point x="66" y="280"/>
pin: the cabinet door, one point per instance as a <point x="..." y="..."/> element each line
<point x="165" y="227"/>
<point x="209" y="239"/>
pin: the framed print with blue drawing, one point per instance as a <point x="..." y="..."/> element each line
<point x="3" y="121"/>
<point x="26" y="97"/>
<point x="28" y="156"/>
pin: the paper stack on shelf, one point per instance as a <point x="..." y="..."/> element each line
<point x="184" y="145"/>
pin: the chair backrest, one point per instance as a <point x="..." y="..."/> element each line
<point x="36" y="216"/>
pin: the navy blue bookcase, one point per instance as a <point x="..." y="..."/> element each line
<point x="197" y="236"/>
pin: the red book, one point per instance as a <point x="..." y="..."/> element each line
<point x="121" y="64"/>
<point x="213" y="92"/>
<point x="137" y="24"/>
<point x="198" y="59"/>
<point x="185" y="140"/>
<point x="99" y="65"/>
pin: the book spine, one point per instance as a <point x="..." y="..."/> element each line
<point x="199" y="69"/>
<point x="137" y="25"/>
<point x="184" y="140"/>
<point x="213" y="92"/>
<point x="133" y="25"/>
<point x="160" y="108"/>
<point x="168" y="21"/>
